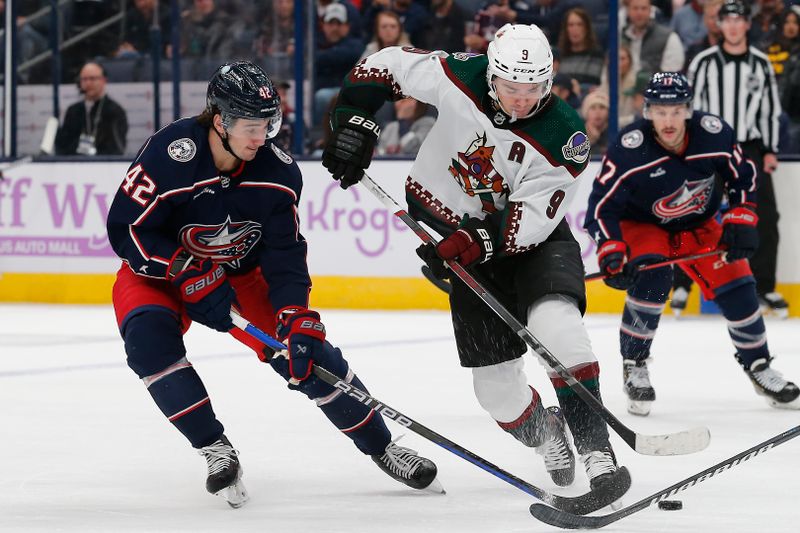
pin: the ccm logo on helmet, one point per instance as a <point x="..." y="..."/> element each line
<point x="524" y="71"/>
<point x="365" y="123"/>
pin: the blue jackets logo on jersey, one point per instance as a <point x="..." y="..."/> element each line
<point x="693" y="197"/>
<point x="577" y="147"/>
<point x="475" y="173"/>
<point x="228" y="242"/>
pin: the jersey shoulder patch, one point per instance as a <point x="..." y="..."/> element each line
<point x="283" y="156"/>
<point x="577" y="147"/>
<point x="711" y="123"/>
<point x="182" y="150"/>
<point x="632" y="139"/>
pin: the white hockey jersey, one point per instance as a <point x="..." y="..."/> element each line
<point x="474" y="161"/>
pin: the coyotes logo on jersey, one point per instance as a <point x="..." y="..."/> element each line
<point x="475" y="173"/>
<point x="692" y="197"/>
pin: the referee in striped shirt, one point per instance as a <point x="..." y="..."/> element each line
<point x="736" y="82"/>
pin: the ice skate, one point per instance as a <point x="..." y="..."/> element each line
<point x="769" y="383"/>
<point x="604" y="474"/>
<point x="678" y="301"/>
<point x="559" y="460"/>
<point x="224" y="472"/>
<point x="407" y="467"/>
<point x="773" y="303"/>
<point x="641" y="394"/>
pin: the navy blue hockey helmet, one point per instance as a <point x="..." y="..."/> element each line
<point x="243" y="90"/>
<point x="668" y="88"/>
<point x="734" y="7"/>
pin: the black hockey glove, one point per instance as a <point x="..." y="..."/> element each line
<point x="472" y="243"/>
<point x="204" y="288"/>
<point x="739" y="233"/>
<point x="349" y="151"/>
<point x="612" y="257"/>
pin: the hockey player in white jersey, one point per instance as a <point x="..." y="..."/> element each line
<point x="494" y="177"/>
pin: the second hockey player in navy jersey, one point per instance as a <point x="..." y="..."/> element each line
<point x="205" y="219"/>
<point x="656" y="197"/>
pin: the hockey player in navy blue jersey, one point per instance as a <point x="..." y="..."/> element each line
<point x="656" y="197"/>
<point x="206" y="219"/>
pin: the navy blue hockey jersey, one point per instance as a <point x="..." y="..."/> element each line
<point x="640" y="180"/>
<point x="173" y="196"/>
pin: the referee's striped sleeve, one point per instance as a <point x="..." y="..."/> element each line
<point x="771" y="110"/>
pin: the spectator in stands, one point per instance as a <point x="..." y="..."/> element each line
<point x="764" y="23"/>
<point x="413" y="16"/>
<point x="31" y="39"/>
<point x="445" y="29"/>
<point x="547" y="14"/>
<point x="594" y="111"/>
<point x="688" y="23"/>
<point x="209" y="32"/>
<point x="97" y="125"/>
<point x="713" y="34"/>
<point x="489" y="18"/>
<point x="654" y="47"/>
<point x="336" y="54"/>
<point x="581" y="56"/>
<point x="789" y="83"/>
<point x="626" y="109"/>
<point x="568" y="89"/>
<point x="787" y="42"/>
<point x="136" y="29"/>
<point x="284" y="138"/>
<point x="276" y="33"/>
<point x="405" y="135"/>
<point x="388" y="32"/>
<point x="354" y="16"/>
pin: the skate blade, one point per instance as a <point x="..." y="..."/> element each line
<point x="793" y="405"/>
<point x="435" y="487"/>
<point x="639" y="408"/>
<point x="236" y="495"/>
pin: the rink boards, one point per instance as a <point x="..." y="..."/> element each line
<point x="54" y="248"/>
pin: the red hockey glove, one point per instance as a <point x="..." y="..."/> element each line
<point x="739" y="233"/>
<point x="612" y="257"/>
<point x="302" y="332"/>
<point x="204" y="288"/>
<point x="472" y="243"/>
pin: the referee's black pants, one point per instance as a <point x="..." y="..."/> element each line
<point x="765" y="261"/>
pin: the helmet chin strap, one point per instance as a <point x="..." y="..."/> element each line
<point x="226" y="145"/>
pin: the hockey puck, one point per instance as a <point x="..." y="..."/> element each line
<point x="670" y="505"/>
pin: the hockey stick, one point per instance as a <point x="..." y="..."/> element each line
<point x="683" y="442"/>
<point x="660" y="264"/>
<point x="583" y="504"/>
<point x="14" y="164"/>
<point x="557" y="518"/>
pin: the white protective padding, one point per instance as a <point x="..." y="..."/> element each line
<point x="502" y="389"/>
<point x="557" y="324"/>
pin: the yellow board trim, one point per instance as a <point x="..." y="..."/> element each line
<point x="338" y="292"/>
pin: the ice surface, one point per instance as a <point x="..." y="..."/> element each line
<point x="84" y="447"/>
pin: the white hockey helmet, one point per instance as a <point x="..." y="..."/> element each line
<point x="522" y="54"/>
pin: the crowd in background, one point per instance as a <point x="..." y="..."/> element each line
<point x="655" y="35"/>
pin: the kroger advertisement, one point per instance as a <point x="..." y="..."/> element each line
<point x="52" y="220"/>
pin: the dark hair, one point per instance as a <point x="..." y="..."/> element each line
<point x="391" y="15"/>
<point x="589" y="40"/>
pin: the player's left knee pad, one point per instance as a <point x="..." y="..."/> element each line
<point x="556" y="322"/>
<point x="330" y="358"/>
<point x="153" y="342"/>
<point x="502" y="389"/>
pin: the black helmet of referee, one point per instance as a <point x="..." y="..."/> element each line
<point x="734" y="7"/>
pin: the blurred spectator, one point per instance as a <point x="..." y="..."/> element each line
<point x="276" y="33"/>
<point x="626" y="110"/>
<point x="547" y="14"/>
<point x="336" y="54"/>
<point x="31" y="40"/>
<point x="354" y="17"/>
<point x="654" y="47"/>
<point x="787" y="42"/>
<point x="405" y="135"/>
<point x="489" y="18"/>
<point x="764" y="23"/>
<point x="581" y="56"/>
<point x="688" y="23"/>
<point x="713" y="34"/>
<point x="567" y="89"/>
<point x="388" y="32"/>
<point x="789" y="85"/>
<point x="136" y="28"/>
<point x="445" y="29"/>
<point x="97" y="125"/>
<point x="636" y="94"/>
<point x="413" y="16"/>
<point x="284" y="138"/>
<point x="209" y="32"/>
<point x="594" y="111"/>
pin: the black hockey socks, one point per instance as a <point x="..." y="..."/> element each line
<point x="181" y="396"/>
<point x="745" y="323"/>
<point x="589" y="430"/>
<point x="362" y="424"/>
